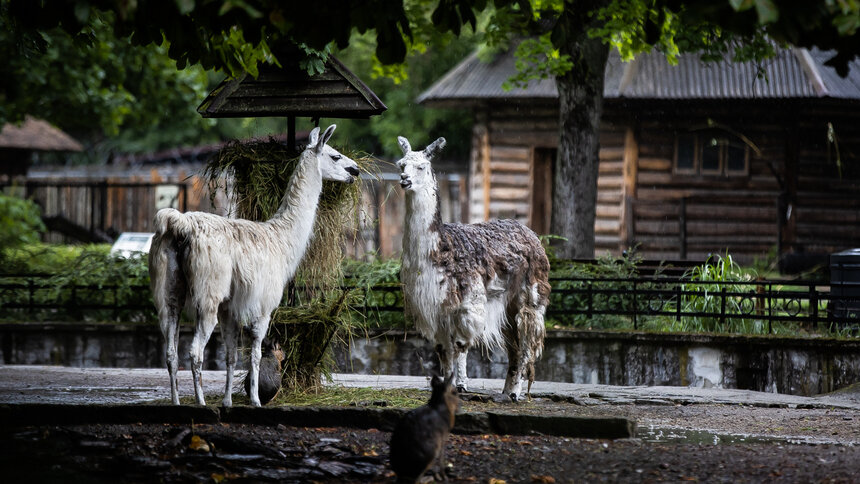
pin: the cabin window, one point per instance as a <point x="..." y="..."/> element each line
<point x="710" y="154"/>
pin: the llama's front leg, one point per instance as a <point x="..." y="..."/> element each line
<point x="462" y="380"/>
<point x="258" y="331"/>
<point x="206" y="323"/>
<point x="230" y="335"/>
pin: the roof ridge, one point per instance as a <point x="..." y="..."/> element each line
<point x="807" y="63"/>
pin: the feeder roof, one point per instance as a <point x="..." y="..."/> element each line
<point x="290" y="91"/>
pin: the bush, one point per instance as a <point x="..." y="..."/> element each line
<point x="20" y="223"/>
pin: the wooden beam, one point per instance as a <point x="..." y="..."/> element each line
<point x="631" y="166"/>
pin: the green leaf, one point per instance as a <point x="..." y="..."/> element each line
<point x="741" y="5"/>
<point x="767" y="11"/>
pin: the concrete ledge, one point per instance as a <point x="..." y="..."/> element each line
<point x="57" y="414"/>
<point x="352" y="417"/>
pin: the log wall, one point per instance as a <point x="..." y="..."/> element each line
<point x="801" y="193"/>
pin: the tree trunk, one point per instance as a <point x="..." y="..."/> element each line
<point x="580" y="93"/>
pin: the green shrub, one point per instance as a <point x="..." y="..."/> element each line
<point x="20" y="224"/>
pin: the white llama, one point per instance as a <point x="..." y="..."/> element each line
<point x="235" y="270"/>
<point x="468" y="284"/>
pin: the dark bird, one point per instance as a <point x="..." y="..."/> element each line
<point x="419" y="438"/>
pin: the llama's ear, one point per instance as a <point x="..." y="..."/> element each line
<point x="314" y="137"/>
<point x="324" y="138"/>
<point x="404" y="144"/>
<point x="435" y="147"/>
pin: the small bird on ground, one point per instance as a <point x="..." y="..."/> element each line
<point x="419" y="438"/>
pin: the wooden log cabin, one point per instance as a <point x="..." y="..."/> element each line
<point x="695" y="158"/>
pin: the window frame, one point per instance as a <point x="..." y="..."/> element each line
<point x="697" y="168"/>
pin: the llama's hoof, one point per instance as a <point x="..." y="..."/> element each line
<point x="462" y="389"/>
<point x="514" y="397"/>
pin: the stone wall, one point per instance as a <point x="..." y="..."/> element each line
<point x="763" y="363"/>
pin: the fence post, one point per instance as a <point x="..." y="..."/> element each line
<point x="30" y="296"/>
<point x="115" y="303"/>
<point x="723" y="308"/>
<point x="769" y="308"/>
<point x="635" y="307"/>
<point x="590" y="301"/>
<point x="813" y="303"/>
<point x="678" y="302"/>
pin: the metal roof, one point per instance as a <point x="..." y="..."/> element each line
<point x="792" y="73"/>
<point x="290" y="91"/>
<point x="36" y="134"/>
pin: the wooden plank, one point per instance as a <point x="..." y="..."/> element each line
<point x="510" y="166"/>
<point x="611" y="153"/>
<point x="738" y="229"/>
<point x="655" y="164"/>
<point x="547" y="139"/>
<point x="289" y="89"/>
<point x="510" y="153"/>
<point x="610" y="167"/>
<point x="605" y="181"/>
<point x="655" y="227"/>
<point x="509" y="179"/>
<point x="604" y="226"/>
<point x="608" y="211"/>
<point x="508" y="193"/>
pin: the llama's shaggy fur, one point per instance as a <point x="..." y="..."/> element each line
<point x="463" y="285"/>
<point x="235" y="270"/>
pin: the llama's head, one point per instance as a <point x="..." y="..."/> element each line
<point x="416" y="172"/>
<point x="333" y="165"/>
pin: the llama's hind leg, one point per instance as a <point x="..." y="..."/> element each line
<point x="513" y="378"/>
<point x="259" y="328"/>
<point x="230" y="335"/>
<point x="206" y="322"/>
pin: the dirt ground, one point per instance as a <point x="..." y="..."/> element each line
<point x="698" y="443"/>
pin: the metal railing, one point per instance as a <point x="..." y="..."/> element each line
<point x="633" y="302"/>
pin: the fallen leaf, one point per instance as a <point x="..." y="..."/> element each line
<point x="197" y="443"/>
<point x="493" y="480"/>
<point x="369" y="453"/>
<point x="465" y="452"/>
<point x="543" y="479"/>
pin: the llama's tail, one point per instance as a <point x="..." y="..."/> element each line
<point x="171" y="223"/>
<point x="532" y="329"/>
<point x="167" y="280"/>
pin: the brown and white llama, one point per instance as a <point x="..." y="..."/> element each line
<point x="235" y="270"/>
<point x="470" y="284"/>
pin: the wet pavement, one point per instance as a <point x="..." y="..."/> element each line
<point x="81" y="386"/>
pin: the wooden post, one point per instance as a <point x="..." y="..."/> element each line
<point x="628" y="194"/>
<point x="291" y="134"/>
<point x="788" y="212"/>
<point x="485" y="169"/>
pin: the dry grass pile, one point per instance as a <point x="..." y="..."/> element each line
<point x="255" y="175"/>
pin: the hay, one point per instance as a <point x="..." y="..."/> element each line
<point x="255" y="176"/>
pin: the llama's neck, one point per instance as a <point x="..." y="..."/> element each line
<point x="423" y="222"/>
<point x="294" y="220"/>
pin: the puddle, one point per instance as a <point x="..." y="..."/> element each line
<point x="694" y="436"/>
